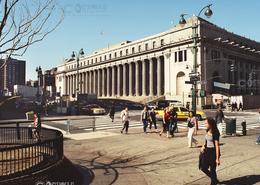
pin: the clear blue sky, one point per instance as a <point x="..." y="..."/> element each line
<point x="92" y="24"/>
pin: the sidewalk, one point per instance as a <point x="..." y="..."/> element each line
<point x="141" y="159"/>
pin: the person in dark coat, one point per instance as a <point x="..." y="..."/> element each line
<point x="152" y="117"/>
<point x="112" y="113"/>
<point x="219" y="117"/>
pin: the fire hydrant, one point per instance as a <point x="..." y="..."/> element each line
<point x="243" y="124"/>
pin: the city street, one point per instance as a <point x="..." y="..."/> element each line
<point x="144" y="159"/>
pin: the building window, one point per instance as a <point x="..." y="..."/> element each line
<point x="139" y="48"/>
<point x="105" y="58"/>
<point x="88" y="62"/>
<point x="154" y="44"/>
<point x="110" y="56"/>
<point x="180" y="56"/>
<point x="121" y="53"/>
<point x="126" y="51"/>
<point x="95" y="60"/>
<point x="176" y="56"/>
<point x="185" y="55"/>
<point x="162" y="42"/>
<point x="133" y="50"/>
<point x="115" y="54"/>
<point x="215" y="55"/>
<point x="146" y="46"/>
<point x="100" y="59"/>
<point x="92" y="61"/>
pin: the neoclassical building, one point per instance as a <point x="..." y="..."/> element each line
<point x="159" y="65"/>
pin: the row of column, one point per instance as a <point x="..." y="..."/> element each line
<point x="140" y="78"/>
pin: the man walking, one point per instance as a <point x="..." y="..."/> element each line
<point x="153" y="119"/>
<point x="125" y="119"/>
<point x="112" y="113"/>
<point x="219" y="117"/>
<point x="145" y="118"/>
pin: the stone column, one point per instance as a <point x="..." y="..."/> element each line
<point x="108" y="82"/>
<point x="86" y="82"/>
<point x="118" y="80"/>
<point x="159" y="84"/>
<point x="130" y="79"/>
<point x="90" y="82"/>
<point x="124" y="79"/>
<point x="143" y="78"/>
<point x="137" y="72"/>
<point x="151" y="77"/>
<point x="103" y="82"/>
<point x="113" y="81"/>
<point x="71" y="84"/>
<point x="94" y="81"/>
<point x="98" y="83"/>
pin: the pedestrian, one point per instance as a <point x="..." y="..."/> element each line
<point x="173" y="121"/>
<point x="235" y="106"/>
<point x="240" y="107"/>
<point x="145" y="118"/>
<point x="258" y="140"/>
<point x="219" y="116"/>
<point x="210" y="151"/>
<point x="166" y="121"/>
<point x="152" y="116"/>
<point x="192" y="122"/>
<point x="188" y="105"/>
<point x="37" y="125"/>
<point x="125" y="119"/>
<point x="112" y="113"/>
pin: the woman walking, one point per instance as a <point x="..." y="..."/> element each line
<point x="166" y="121"/>
<point x="192" y="122"/>
<point x="125" y="119"/>
<point x="211" y="151"/>
<point x="112" y="113"/>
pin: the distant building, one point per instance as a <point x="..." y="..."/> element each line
<point x="27" y="91"/>
<point x="11" y="73"/>
<point x="32" y="83"/>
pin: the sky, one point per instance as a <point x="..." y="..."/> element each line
<point x="93" y="24"/>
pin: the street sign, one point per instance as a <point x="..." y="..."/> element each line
<point x="188" y="82"/>
<point x="222" y="85"/>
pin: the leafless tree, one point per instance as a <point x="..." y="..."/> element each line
<point x="26" y="22"/>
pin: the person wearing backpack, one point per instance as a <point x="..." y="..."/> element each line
<point x="192" y="122"/>
<point x="145" y="118"/>
<point x="125" y="119"/>
<point x="210" y="151"/>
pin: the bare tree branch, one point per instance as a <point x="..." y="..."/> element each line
<point x="25" y="23"/>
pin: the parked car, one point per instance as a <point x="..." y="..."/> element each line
<point x="182" y="113"/>
<point x="92" y="109"/>
<point x="151" y="105"/>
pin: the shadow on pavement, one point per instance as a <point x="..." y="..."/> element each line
<point x="248" y="180"/>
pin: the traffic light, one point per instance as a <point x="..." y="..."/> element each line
<point x="202" y="93"/>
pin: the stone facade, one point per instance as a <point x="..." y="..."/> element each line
<point x="160" y="64"/>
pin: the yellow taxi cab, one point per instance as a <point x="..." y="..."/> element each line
<point x="182" y="113"/>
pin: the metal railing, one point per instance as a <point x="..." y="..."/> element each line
<point x="21" y="153"/>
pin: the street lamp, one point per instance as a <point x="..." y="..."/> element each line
<point x="77" y="55"/>
<point x="208" y="13"/>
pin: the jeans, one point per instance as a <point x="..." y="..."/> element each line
<point x="126" y="126"/>
<point x="153" y="122"/>
<point x="191" y="139"/>
<point x="145" y="124"/>
<point x="210" y="163"/>
<point x="172" y="126"/>
<point x="258" y="139"/>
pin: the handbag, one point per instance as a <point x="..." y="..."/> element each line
<point x="202" y="160"/>
<point x="190" y="125"/>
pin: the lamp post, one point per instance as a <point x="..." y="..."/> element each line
<point x="77" y="55"/>
<point x="208" y="13"/>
